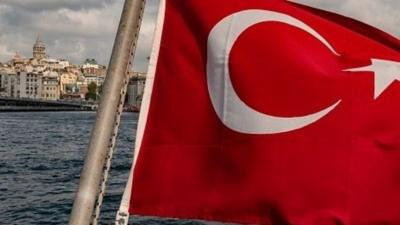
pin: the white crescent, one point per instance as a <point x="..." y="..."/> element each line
<point x="231" y="110"/>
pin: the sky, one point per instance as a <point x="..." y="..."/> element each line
<point x="80" y="29"/>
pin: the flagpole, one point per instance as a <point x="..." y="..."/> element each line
<point x="103" y="129"/>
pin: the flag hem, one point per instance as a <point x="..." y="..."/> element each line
<point x="123" y="212"/>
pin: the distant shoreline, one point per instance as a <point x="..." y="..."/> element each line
<point x="33" y="105"/>
<point x="43" y="110"/>
<point x="50" y="110"/>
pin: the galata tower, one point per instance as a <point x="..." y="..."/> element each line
<point x="39" y="49"/>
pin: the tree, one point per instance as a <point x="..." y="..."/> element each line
<point x="92" y="92"/>
<point x="91" y="61"/>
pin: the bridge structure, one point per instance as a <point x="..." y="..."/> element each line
<point x="25" y="105"/>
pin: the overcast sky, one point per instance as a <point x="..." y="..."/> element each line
<point x="80" y="29"/>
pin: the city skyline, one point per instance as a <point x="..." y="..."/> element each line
<point x="77" y="30"/>
<point x="73" y="30"/>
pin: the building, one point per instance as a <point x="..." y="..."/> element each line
<point x="50" y="87"/>
<point x="20" y="84"/>
<point x="90" y="78"/>
<point x="5" y="81"/>
<point x="32" y="83"/>
<point x="91" y="67"/>
<point x="55" y="64"/>
<point x="93" y="72"/>
<point x="11" y="85"/>
<point x="136" y="89"/>
<point x="82" y="85"/>
<point x="68" y="83"/>
<point x="2" y="85"/>
<point x="18" y="62"/>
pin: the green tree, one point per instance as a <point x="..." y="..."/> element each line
<point x="91" y="61"/>
<point x="92" y="92"/>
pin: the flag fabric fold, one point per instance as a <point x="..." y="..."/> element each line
<point x="269" y="112"/>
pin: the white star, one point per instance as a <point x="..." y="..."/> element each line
<point x="386" y="72"/>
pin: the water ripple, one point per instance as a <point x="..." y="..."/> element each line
<point x="41" y="158"/>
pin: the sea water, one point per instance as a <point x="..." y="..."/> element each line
<point x="41" y="156"/>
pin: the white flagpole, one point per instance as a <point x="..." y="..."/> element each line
<point x="103" y="129"/>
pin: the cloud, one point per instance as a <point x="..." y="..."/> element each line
<point x="69" y="32"/>
<point x="146" y="36"/>
<point x="76" y="29"/>
<point x="71" y="29"/>
<point x="47" y="5"/>
<point x="6" y="51"/>
<point x="381" y="14"/>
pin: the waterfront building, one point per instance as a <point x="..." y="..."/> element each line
<point x="20" y="84"/>
<point x="32" y="82"/>
<point x="136" y="89"/>
<point x="11" y="85"/>
<point x="2" y="88"/>
<point x="51" y="87"/>
<point x="5" y="82"/>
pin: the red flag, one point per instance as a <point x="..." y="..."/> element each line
<point x="269" y="112"/>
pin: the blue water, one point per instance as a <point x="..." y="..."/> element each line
<point x="41" y="155"/>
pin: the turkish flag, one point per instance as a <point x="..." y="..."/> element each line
<point x="269" y="112"/>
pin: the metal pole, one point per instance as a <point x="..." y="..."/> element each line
<point x="103" y="130"/>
